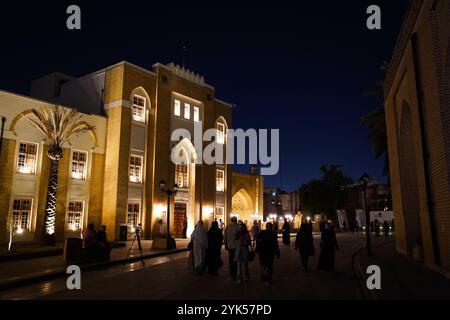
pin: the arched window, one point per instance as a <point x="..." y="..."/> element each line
<point x="181" y="172"/>
<point x="138" y="111"/>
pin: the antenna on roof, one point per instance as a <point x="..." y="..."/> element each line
<point x="184" y="48"/>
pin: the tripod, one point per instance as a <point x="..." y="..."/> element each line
<point x="138" y="238"/>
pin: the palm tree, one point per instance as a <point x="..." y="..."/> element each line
<point x="58" y="125"/>
<point x="376" y="121"/>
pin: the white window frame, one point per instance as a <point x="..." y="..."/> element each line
<point x="72" y="226"/>
<point x="138" y="218"/>
<point x="220" y="182"/>
<point x="177" y="108"/>
<point x="220" y="128"/>
<point x="137" y="114"/>
<point x="132" y="169"/>
<point x="196" y="114"/>
<point x="27" y="158"/>
<point x="19" y="220"/>
<point x="78" y="174"/>
<point x="187" y="111"/>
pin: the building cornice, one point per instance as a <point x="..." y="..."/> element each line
<point x="402" y="42"/>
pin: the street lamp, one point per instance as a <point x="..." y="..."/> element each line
<point x="170" y="242"/>
<point x="363" y="184"/>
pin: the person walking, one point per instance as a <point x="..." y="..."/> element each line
<point x="255" y="231"/>
<point x="386" y="228"/>
<point x="221" y="225"/>
<point x="267" y="248"/>
<point x="328" y="247"/>
<point x="231" y="244"/>
<point x="304" y="243"/>
<point x="286" y="232"/>
<point x="213" y="252"/>
<point x="184" y="229"/>
<point x="199" y="244"/>
<point x="242" y="252"/>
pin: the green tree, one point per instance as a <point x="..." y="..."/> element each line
<point x="324" y="195"/>
<point x="58" y="125"/>
<point x="376" y="122"/>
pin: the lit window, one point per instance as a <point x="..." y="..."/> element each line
<point x="21" y="214"/>
<point x="133" y="215"/>
<point x="135" y="169"/>
<point x="139" y="109"/>
<point x="177" y="108"/>
<point x="220" y="133"/>
<point x="187" y="111"/>
<point x="196" y="114"/>
<point x="79" y="165"/>
<point x="75" y="215"/>
<point x="181" y="173"/>
<point x="220" y="180"/>
<point x="220" y="214"/>
<point x="26" y="162"/>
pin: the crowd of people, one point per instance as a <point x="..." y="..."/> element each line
<point x="243" y="246"/>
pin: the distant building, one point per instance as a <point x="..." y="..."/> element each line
<point x="417" y="104"/>
<point x="247" y="196"/>
<point x="280" y="203"/>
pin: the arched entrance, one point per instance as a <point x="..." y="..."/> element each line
<point x="242" y="206"/>
<point x="409" y="184"/>
<point x="184" y="157"/>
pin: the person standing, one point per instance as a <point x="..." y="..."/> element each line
<point x="231" y="244"/>
<point x="102" y="248"/>
<point x="386" y="228"/>
<point x="213" y="252"/>
<point x="267" y="248"/>
<point x="184" y="229"/>
<point x="328" y="247"/>
<point x="242" y="252"/>
<point x="221" y="225"/>
<point x="255" y="231"/>
<point x="199" y="244"/>
<point x="304" y="243"/>
<point x="286" y="232"/>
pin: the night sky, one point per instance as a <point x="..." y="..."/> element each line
<point x="299" y="66"/>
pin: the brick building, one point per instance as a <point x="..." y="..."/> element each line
<point x="112" y="175"/>
<point x="417" y="103"/>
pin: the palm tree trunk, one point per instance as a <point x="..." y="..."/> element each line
<point x="50" y="210"/>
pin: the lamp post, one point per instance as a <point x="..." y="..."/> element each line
<point x="170" y="242"/>
<point x="363" y="184"/>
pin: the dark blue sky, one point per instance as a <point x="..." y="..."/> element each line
<point x="299" y="66"/>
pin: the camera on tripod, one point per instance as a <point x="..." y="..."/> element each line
<point x="137" y="228"/>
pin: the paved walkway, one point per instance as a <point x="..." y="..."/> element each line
<point x="402" y="277"/>
<point x="16" y="270"/>
<point x="168" y="278"/>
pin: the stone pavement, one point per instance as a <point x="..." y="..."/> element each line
<point x="169" y="278"/>
<point x="402" y="278"/>
<point x="15" y="271"/>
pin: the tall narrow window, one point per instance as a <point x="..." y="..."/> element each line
<point x="220" y="180"/>
<point x="21" y="214"/>
<point x="26" y="161"/>
<point x="177" y="108"/>
<point x="133" y="215"/>
<point x="181" y="175"/>
<point x="196" y="114"/>
<point x="136" y="168"/>
<point x="79" y="165"/>
<point x="139" y="109"/>
<point x="220" y="214"/>
<point x="220" y="133"/>
<point x="75" y="215"/>
<point x="187" y="111"/>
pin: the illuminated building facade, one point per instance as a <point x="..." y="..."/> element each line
<point x="111" y="175"/>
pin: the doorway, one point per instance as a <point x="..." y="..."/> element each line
<point x="179" y="214"/>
